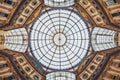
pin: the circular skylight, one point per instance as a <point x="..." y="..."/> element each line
<point x="59" y="39"/>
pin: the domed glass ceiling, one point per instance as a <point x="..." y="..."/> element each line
<point x="59" y="39"/>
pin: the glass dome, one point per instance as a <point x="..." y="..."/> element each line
<point x="59" y="39"/>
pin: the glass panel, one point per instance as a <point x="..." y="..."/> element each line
<point x="16" y="40"/>
<point x="10" y="2"/>
<point x="103" y="39"/>
<point x="59" y="3"/>
<point x="60" y="76"/>
<point x="3" y="14"/>
<point x="110" y="2"/>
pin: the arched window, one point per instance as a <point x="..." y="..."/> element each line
<point x="21" y="60"/>
<point x="85" y="76"/>
<point x="3" y="14"/>
<point x="92" y="67"/>
<point x="12" y="77"/>
<point x="35" y="77"/>
<point x="27" y="69"/>
<point x="3" y="65"/>
<point x="59" y="3"/>
<point x="110" y="2"/>
<point x="10" y="2"/>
